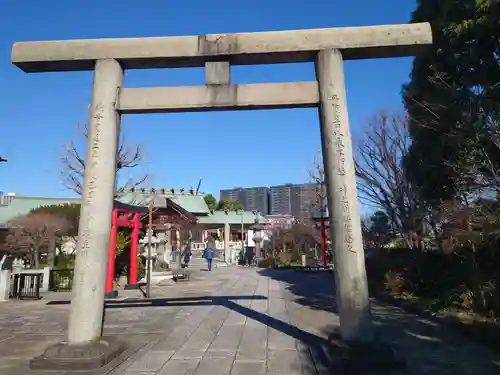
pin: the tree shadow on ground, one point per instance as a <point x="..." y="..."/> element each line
<point x="426" y="346"/>
<point x="316" y="354"/>
<point x="309" y="288"/>
<point x="314" y="351"/>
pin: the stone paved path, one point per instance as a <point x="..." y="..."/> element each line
<point x="238" y="321"/>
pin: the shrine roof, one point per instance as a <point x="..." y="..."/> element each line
<point x="192" y="203"/>
<point x="21" y="205"/>
<point x="231" y="217"/>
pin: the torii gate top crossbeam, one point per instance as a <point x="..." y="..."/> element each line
<point x="239" y="49"/>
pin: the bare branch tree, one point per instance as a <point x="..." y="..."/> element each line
<point x="73" y="163"/>
<point x="317" y="176"/>
<point x="295" y="238"/>
<point x="31" y="233"/>
<point x="382" y="181"/>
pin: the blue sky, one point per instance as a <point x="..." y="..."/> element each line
<point x="40" y="112"/>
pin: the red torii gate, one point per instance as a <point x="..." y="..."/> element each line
<point x="324" y="224"/>
<point x="130" y="216"/>
<point x="123" y="217"/>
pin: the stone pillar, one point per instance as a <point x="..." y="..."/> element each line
<point x="178" y="240"/>
<point x="85" y="319"/>
<point x="46" y="279"/>
<point x="227" y="252"/>
<point x="4" y="284"/>
<point x="167" y="256"/>
<point x="350" y="274"/>
<point x="257" y="250"/>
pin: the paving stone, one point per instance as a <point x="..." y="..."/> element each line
<point x="216" y="318"/>
<point x="261" y="320"/>
<point x="303" y="301"/>
<point x="151" y="361"/>
<point x="214" y="366"/>
<point x="245" y="302"/>
<point x="235" y="318"/>
<point x="249" y="368"/>
<point x="200" y="339"/>
<point x="285" y="361"/>
<point x="180" y="367"/>
<point x="219" y="353"/>
<point x="251" y="354"/>
<point x="280" y="341"/>
<point x="253" y="343"/>
<point x="228" y="337"/>
<point x="175" y="340"/>
<point x="259" y="305"/>
<point x="189" y="354"/>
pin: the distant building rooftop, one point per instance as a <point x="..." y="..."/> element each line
<point x="20" y="205"/>
<point x="17" y="205"/>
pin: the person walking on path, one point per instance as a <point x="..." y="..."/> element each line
<point x="174" y="253"/>
<point x="187" y="255"/>
<point x="209" y="254"/>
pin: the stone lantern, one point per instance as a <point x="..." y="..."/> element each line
<point x="154" y="243"/>
<point x="258" y="237"/>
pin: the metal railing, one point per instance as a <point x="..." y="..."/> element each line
<point x="61" y="280"/>
<point x="25" y="285"/>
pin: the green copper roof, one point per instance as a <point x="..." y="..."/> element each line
<point x="231" y="217"/>
<point x="194" y="204"/>
<point x="23" y="205"/>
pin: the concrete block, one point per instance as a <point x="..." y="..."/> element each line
<point x="217" y="73"/>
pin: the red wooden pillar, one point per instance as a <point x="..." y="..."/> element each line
<point x="134" y="244"/>
<point x="110" y="271"/>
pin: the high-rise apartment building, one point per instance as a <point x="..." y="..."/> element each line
<point x="230" y="194"/>
<point x="281" y="199"/>
<point x="253" y="199"/>
<point x="302" y="201"/>
<point x="299" y="200"/>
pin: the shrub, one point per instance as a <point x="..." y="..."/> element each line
<point x="394" y="282"/>
<point x="64" y="261"/>
<point x="141" y="269"/>
<point x="465" y="280"/>
<point x="296" y="256"/>
<point x="267" y="263"/>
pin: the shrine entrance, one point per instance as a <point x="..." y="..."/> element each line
<point x="327" y="48"/>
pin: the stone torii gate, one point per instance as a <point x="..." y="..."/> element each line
<point x="328" y="48"/>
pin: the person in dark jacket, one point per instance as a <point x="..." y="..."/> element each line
<point x="187" y="256"/>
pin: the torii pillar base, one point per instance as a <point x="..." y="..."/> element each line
<point x="82" y="357"/>
<point x="132" y="286"/>
<point x="112" y="294"/>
